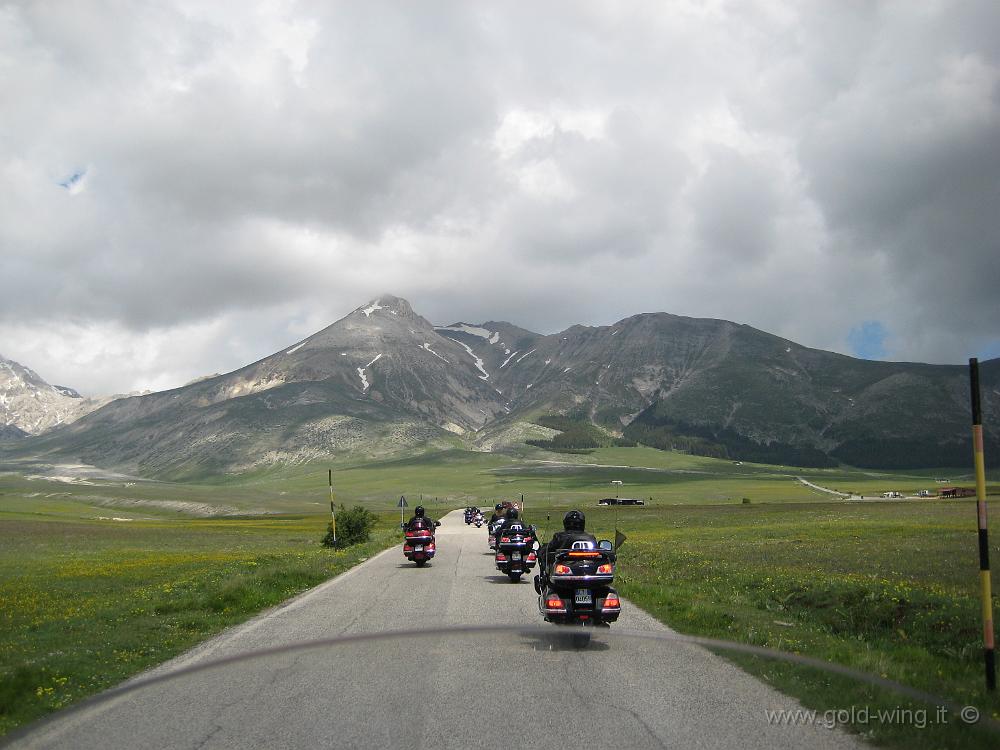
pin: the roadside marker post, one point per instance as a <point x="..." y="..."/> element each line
<point x="401" y="504"/>
<point x="989" y="653"/>
<point x="333" y="512"/>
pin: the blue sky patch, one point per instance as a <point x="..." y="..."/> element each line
<point x="868" y="340"/>
<point x="990" y="351"/>
<point x="70" y="182"/>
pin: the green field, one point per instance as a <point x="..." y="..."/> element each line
<point x="101" y="580"/>
<point x="85" y="604"/>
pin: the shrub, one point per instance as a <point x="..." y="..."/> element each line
<point x="354" y="526"/>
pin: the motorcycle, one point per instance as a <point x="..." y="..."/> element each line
<point x="577" y="587"/>
<point x="478" y="520"/>
<point x="468" y="515"/>
<point x="419" y="543"/>
<point x="515" y="551"/>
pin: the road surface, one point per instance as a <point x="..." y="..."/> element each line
<point x="456" y="690"/>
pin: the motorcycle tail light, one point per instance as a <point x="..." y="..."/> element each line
<point x="430" y="547"/>
<point x="410" y="535"/>
<point x="407" y="548"/>
<point x="501" y="557"/>
<point x="605" y="569"/>
<point x="612" y="602"/>
<point x="504" y="539"/>
<point x="554" y="603"/>
<point x="562" y="570"/>
<point x="531" y="556"/>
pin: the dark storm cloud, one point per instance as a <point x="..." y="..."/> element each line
<point x="190" y="187"/>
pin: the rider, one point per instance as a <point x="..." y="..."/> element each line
<point x="498" y="514"/>
<point x="418" y="515"/>
<point x="511" y="519"/>
<point x="574" y="523"/>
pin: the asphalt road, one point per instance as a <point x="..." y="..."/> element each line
<point x="510" y="689"/>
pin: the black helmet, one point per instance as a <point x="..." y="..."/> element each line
<point x="512" y="514"/>
<point x="419" y="511"/>
<point x="498" y="506"/>
<point x="574" y="521"/>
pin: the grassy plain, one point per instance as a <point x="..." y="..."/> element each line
<point x="86" y="603"/>
<point x="889" y="587"/>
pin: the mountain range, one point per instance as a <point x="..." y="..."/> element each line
<point x="30" y="406"/>
<point x="383" y="379"/>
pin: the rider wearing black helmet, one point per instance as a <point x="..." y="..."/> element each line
<point x="510" y="519"/>
<point x="425" y="521"/>
<point x="574" y="523"/>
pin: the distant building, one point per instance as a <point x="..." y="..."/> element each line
<point x="957" y="492"/>
<point x="621" y="501"/>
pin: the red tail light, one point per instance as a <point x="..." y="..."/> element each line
<point x="504" y="539"/>
<point x="612" y="602"/>
<point x="501" y="557"/>
<point x="562" y="570"/>
<point x="583" y="553"/>
<point x="407" y="548"/>
<point x="531" y="557"/>
<point x="430" y="547"/>
<point x="410" y="535"/>
<point x="554" y="603"/>
<point x="605" y="569"/>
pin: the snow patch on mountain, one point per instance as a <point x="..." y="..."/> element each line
<point x="508" y="359"/>
<point x="372" y="308"/>
<point x="523" y="356"/>
<point x="471" y="330"/>
<point x="295" y="348"/>
<point x="427" y="347"/>
<point x="479" y="362"/>
<point x="361" y="372"/>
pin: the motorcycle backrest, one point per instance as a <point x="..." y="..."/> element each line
<point x="582" y="544"/>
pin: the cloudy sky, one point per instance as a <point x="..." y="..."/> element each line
<point x="187" y="187"/>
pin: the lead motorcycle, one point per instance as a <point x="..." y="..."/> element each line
<point x="576" y="587"/>
<point x="515" y="551"/>
<point x="419" y="543"/>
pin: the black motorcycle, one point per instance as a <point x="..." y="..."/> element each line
<point x="515" y="551"/>
<point x="576" y="589"/>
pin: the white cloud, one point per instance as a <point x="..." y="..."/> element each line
<point x="802" y="168"/>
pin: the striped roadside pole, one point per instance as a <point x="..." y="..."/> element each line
<point x="984" y="547"/>
<point x="333" y="512"/>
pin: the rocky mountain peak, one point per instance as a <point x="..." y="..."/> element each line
<point x="32" y="406"/>
<point x="387" y="304"/>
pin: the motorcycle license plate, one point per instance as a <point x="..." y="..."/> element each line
<point x="515" y="556"/>
<point x="418" y="548"/>
<point x="583" y="596"/>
